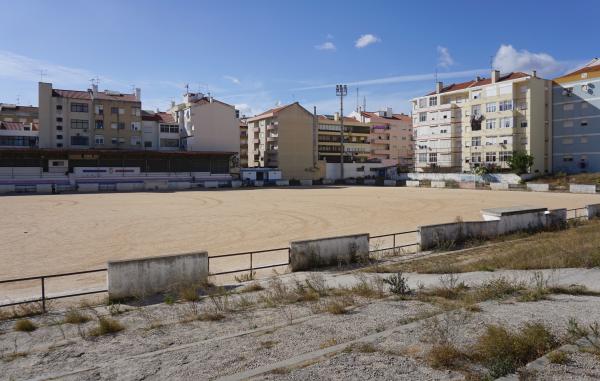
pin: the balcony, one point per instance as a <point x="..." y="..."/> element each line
<point x="271" y="127"/>
<point x="272" y="138"/>
<point x="256" y="151"/>
<point x="256" y="129"/>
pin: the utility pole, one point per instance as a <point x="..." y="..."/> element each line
<point x="341" y="91"/>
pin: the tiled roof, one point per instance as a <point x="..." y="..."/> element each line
<point x="329" y="118"/>
<point x="373" y="115"/>
<point x="161" y="117"/>
<point x="149" y="115"/>
<point x="480" y="82"/>
<point x="87" y="95"/>
<point x="590" y="67"/>
<point x="17" y="126"/>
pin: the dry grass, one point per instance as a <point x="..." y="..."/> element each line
<point x="338" y="305"/>
<point x="563" y="180"/>
<point x="74" y="316"/>
<point x="572" y="248"/>
<point x="106" y="326"/>
<point x="445" y="356"/>
<point x="25" y="325"/>
<point x="558" y="357"/>
<point x="252" y="287"/>
<point x="328" y="343"/>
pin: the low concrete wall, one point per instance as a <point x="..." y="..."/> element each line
<point x="330" y="251"/>
<point x="43" y="188"/>
<point x="499" y="186"/>
<point x="156" y="185"/>
<point x="581" y="188"/>
<point x="148" y="276"/>
<point x="509" y="178"/>
<point x="328" y="181"/>
<point x="236" y="183"/>
<point x="211" y="184"/>
<point x="180" y="185"/>
<point x="282" y="183"/>
<point x="87" y="187"/>
<point x="7" y="188"/>
<point x="593" y="211"/>
<point x="259" y="183"/>
<point x="306" y="183"/>
<point x="412" y="183"/>
<point x="389" y="183"/>
<point x="467" y="185"/>
<point x="538" y="187"/>
<point x="438" y="184"/>
<point x="128" y="187"/>
<point x="369" y="182"/>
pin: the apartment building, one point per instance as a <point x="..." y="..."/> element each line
<point x="390" y="137"/>
<point x="18" y="135"/>
<point x="282" y="138"/>
<point x="483" y="122"/>
<point x="243" y="144"/>
<point x="160" y="131"/>
<point x="357" y="148"/>
<point x="576" y="120"/>
<point x="207" y="124"/>
<point x="20" y="114"/>
<point x="89" y="119"/>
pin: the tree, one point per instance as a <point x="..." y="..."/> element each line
<point x="520" y="162"/>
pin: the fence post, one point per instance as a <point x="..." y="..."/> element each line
<point x="394" y="241"/>
<point x="251" y="263"/>
<point x="43" y="294"/>
<point x="208" y="266"/>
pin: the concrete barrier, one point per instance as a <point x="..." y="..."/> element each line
<point x="499" y="186"/>
<point x="258" y="183"/>
<point x="156" y="185"/>
<point x="413" y="183"/>
<point x="152" y="275"/>
<point x="328" y="251"/>
<point x="125" y="187"/>
<point x="87" y="187"/>
<point x="282" y="183"/>
<point x="306" y="183"/>
<point x="328" y="182"/>
<point x="389" y="183"/>
<point x="593" y="211"/>
<point x="581" y="188"/>
<point x="369" y="182"/>
<point x="179" y="185"/>
<point x="538" y="187"/>
<point x="7" y="188"/>
<point x="43" y="188"/>
<point x="211" y="184"/>
<point x="467" y="185"/>
<point x="236" y="183"/>
<point x="438" y="184"/>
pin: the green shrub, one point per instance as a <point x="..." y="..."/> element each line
<point x="398" y="284"/>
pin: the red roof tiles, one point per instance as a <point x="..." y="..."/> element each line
<point x="17" y="126"/>
<point x="87" y="95"/>
<point x="480" y="82"/>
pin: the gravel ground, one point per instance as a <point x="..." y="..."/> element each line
<point x="581" y="367"/>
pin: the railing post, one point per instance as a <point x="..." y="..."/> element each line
<point x="208" y="266"/>
<point x="251" y="263"/>
<point x="394" y="241"/>
<point x="289" y="255"/>
<point x="43" y="294"/>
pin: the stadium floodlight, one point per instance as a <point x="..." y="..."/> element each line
<point x="341" y="91"/>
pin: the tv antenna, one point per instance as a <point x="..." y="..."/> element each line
<point x="95" y="81"/>
<point x="42" y="74"/>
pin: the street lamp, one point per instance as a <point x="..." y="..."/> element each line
<point x="341" y="91"/>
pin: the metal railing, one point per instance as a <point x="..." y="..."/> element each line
<point x="43" y="297"/>
<point x="577" y="213"/>
<point x="250" y="254"/>
<point x="394" y="246"/>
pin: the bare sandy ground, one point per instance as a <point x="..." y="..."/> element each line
<point x="42" y="234"/>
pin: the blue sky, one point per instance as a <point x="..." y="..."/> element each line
<point x="256" y="54"/>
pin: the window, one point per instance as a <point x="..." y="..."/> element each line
<point x="58" y="107"/>
<point x="120" y="126"/>
<point x="422" y="102"/>
<point x="490" y="91"/>
<point x="567" y="158"/>
<point x="490" y="107"/>
<point x="79" y="123"/>
<point x="170" y="143"/>
<point x="490" y="141"/>
<point x="59" y="137"/>
<point x="584" y="123"/>
<point x="79" y="107"/>
<point x="99" y="124"/>
<point x="568" y="123"/>
<point x="524" y="89"/>
<point x="422" y="158"/>
<point x="99" y="139"/>
<point x="506" y="140"/>
<point x="422" y="117"/>
<point x="505" y="89"/>
<point x="59" y="120"/>
<point x="476" y="94"/>
<point x="135" y="111"/>
<point x="58" y="128"/>
<point x="567" y="141"/>
<point x="59" y="145"/>
<point x="490" y="157"/>
<point x="584" y="140"/>
<point x="147" y="144"/>
<point x="113" y="140"/>
<point x="524" y="124"/>
<point x="476" y="141"/>
<point x="114" y="110"/>
<point x="79" y="140"/>
<point x="432" y="101"/>
<point x="522" y="105"/>
<point x="506" y="105"/>
<point x="490" y="124"/>
<point x="476" y="110"/>
<point x="476" y="157"/>
<point x="135" y="126"/>
<point x="99" y="109"/>
<point x="506" y="122"/>
<point x="568" y="107"/>
<point x="433" y="157"/>
<point x="505" y="156"/>
<point x="135" y="141"/>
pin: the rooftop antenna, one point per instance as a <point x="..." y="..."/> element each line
<point x="365" y="103"/>
<point x="95" y="81"/>
<point x="357" y="100"/>
<point x="42" y="74"/>
<point x="18" y="98"/>
<point x="492" y="62"/>
<point x="187" y="88"/>
<point x="435" y="78"/>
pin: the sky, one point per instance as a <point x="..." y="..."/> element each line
<point x="262" y="53"/>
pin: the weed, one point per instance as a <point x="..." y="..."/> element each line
<point x="115" y="309"/>
<point x="328" y="343"/>
<point x="252" y="287"/>
<point x="268" y="344"/>
<point x="574" y="289"/>
<point x="169" y="299"/>
<point x="282" y="370"/>
<point x="591" y="333"/>
<point x="444" y="355"/>
<point x="246" y="277"/>
<point x="189" y="293"/>
<point x="74" y="316"/>
<point x="364" y="347"/>
<point x="558" y="357"/>
<point x="372" y="288"/>
<point x="210" y="315"/>
<point x="338" y="305"/>
<point x="106" y="326"/>
<point x="25" y="325"/>
<point x="398" y="284"/>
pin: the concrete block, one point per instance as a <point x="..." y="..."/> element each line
<point x="43" y="188"/>
<point x="328" y="181"/>
<point x="538" y="187"/>
<point x="211" y="184"/>
<point x="438" y="184"/>
<point x="87" y="187"/>
<point x="581" y="188"/>
<point x="125" y="187"/>
<point x="350" y="181"/>
<point x="369" y="182"/>
<point x="152" y="275"/>
<point x="467" y="185"/>
<point x="499" y="186"/>
<point x="389" y="183"/>
<point x="328" y="251"/>
<point x="7" y="188"/>
<point x="412" y="183"/>
<point x="236" y="183"/>
<point x="282" y="183"/>
<point x="180" y="185"/>
<point x="156" y="185"/>
<point x="593" y="211"/>
<point x="306" y="183"/>
<point x="259" y="183"/>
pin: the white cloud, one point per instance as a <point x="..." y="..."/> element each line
<point x="232" y="79"/>
<point x="509" y="59"/>
<point x="326" y="46"/>
<point x="329" y="36"/>
<point x="245" y="109"/>
<point x="366" y="40"/>
<point x="445" y="60"/>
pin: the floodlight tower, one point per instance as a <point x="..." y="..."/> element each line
<point x="341" y="91"/>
